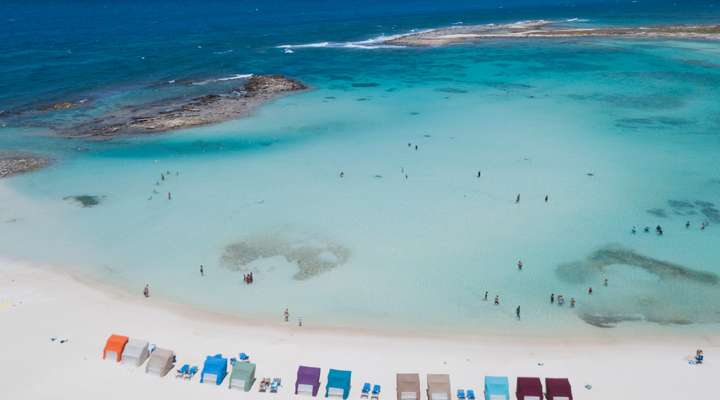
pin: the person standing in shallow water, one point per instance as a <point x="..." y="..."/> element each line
<point x="517" y="312"/>
<point x="605" y="282"/>
<point x="342" y="174"/>
<point x="479" y="174"/>
<point x="202" y="270"/>
<point x="517" y="199"/>
<point x="547" y="198"/>
<point x="687" y="225"/>
<point x="497" y="300"/>
<point x="552" y="298"/>
<point x="486" y="294"/>
<point x="146" y="291"/>
<point x="519" y="265"/>
<point x="286" y="315"/>
<point x="589" y="290"/>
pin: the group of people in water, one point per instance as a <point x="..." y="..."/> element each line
<point x="163" y="177"/>
<point x="248" y="278"/>
<point x="659" y="229"/>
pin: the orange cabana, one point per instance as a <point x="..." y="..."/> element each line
<point x="114" y="347"/>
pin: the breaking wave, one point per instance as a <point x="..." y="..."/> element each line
<point x="227" y="78"/>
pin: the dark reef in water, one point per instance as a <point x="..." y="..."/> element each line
<point x="85" y="200"/>
<point x="706" y="208"/>
<point x="612" y="320"/>
<point x="583" y="271"/>
<point x="14" y="163"/>
<point x="658" y="212"/>
<point x="365" y="84"/>
<point x="451" y="90"/>
<point x="312" y="257"/>
<point x="177" y="113"/>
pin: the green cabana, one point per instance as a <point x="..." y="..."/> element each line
<point x="242" y="376"/>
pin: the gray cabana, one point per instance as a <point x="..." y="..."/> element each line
<point x="136" y="352"/>
<point x="161" y="362"/>
<point x="242" y="376"/>
<point x="438" y="387"/>
<point x="408" y="386"/>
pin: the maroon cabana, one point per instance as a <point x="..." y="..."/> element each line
<point x="529" y="389"/>
<point x="558" y="389"/>
<point x="308" y="380"/>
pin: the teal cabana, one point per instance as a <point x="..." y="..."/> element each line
<point x="338" y="383"/>
<point x="214" y="369"/>
<point x="242" y="376"/>
<point x="497" y="388"/>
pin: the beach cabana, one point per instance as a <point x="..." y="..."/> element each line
<point x="308" y="380"/>
<point x="214" y="369"/>
<point x="408" y="386"/>
<point x="529" y="389"/>
<point x="558" y="389"/>
<point x="338" y="383"/>
<point x="438" y="387"/>
<point x="242" y="376"/>
<point x="136" y="352"/>
<point x="497" y="388"/>
<point x="161" y="361"/>
<point x="114" y="347"/>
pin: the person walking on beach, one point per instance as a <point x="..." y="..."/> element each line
<point x="286" y="315"/>
<point x="497" y="300"/>
<point x="552" y="298"/>
<point x="146" y="291"/>
<point x="202" y="270"/>
<point x="517" y="312"/>
<point x="300" y="322"/>
<point x="517" y="199"/>
<point x="519" y="265"/>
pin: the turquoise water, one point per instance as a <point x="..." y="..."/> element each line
<point x="607" y="129"/>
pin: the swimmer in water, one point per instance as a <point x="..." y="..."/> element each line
<point x="517" y="199"/>
<point x="497" y="300"/>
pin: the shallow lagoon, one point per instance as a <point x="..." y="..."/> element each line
<point x="608" y="129"/>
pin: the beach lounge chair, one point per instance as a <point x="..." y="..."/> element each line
<point x="408" y="386"/>
<point x="497" y="388"/>
<point x="114" y="347"/>
<point x="214" y="370"/>
<point x="338" y="383"/>
<point x="461" y="394"/>
<point x="193" y="370"/>
<point x="365" y="393"/>
<point x="471" y="394"/>
<point x="558" y="389"/>
<point x="243" y="357"/>
<point x="375" y="392"/>
<point x="438" y="387"/>
<point x="135" y="352"/>
<point x="264" y="385"/>
<point x="242" y="376"/>
<point x="183" y="371"/>
<point x="529" y="389"/>
<point x="308" y="380"/>
<point x="275" y="385"/>
<point x="161" y="361"/>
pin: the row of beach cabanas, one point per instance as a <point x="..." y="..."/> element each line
<point x="242" y="376"/>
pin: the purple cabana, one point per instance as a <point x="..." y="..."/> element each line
<point x="308" y="380"/>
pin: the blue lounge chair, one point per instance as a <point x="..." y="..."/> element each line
<point x="193" y="370"/>
<point x="243" y="357"/>
<point x="183" y="371"/>
<point x="471" y="394"/>
<point x="365" y="391"/>
<point x="461" y="394"/>
<point x="376" y="392"/>
<point x="275" y="385"/>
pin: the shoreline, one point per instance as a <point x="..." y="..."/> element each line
<point x="37" y="304"/>
<point x="74" y="279"/>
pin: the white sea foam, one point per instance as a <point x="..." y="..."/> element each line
<point x="227" y="78"/>
<point x="222" y="52"/>
<point x="369" y="44"/>
<point x="577" y="20"/>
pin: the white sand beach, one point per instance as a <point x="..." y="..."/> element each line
<point x="38" y="303"/>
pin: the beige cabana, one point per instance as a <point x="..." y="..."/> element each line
<point x="408" y="386"/>
<point x="136" y="352"/>
<point x="438" y="387"/>
<point x="161" y="362"/>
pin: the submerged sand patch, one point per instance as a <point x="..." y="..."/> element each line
<point x="311" y="255"/>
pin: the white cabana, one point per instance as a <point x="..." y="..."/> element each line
<point x="136" y="352"/>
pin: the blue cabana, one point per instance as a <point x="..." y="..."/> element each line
<point x="214" y="369"/>
<point x="497" y="388"/>
<point x="338" y="383"/>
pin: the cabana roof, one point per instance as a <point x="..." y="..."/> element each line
<point x="408" y="383"/>
<point x="497" y="386"/>
<point x="308" y="375"/>
<point x="529" y="387"/>
<point x="438" y="383"/>
<point x="339" y="379"/>
<point x="243" y="370"/>
<point x="135" y="347"/>
<point x="161" y="361"/>
<point x="115" y="344"/>
<point x="558" y="387"/>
